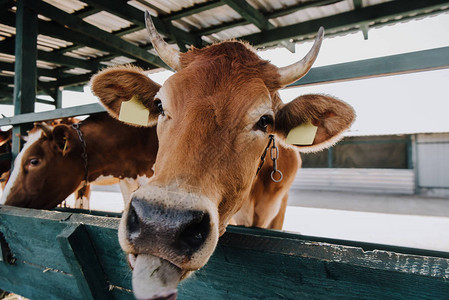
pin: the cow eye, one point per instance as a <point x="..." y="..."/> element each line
<point x="159" y="107"/>
<point x="34" y="161"/>
<point x="263" y="122"/>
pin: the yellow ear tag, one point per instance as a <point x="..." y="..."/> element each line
<point x="65" y="147"/>
<point x="302" y="135"/>
<point x="134" y="112"/>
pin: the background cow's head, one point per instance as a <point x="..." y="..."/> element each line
<point x="47" y="170"/>
<point x="5" y="147"/>
<point x="214" y="117"/>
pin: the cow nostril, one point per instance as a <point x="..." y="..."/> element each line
<point x="195" y="233"/>
<point x="133" y="224"/>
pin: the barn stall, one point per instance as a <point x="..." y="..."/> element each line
<point x="73" y="254"/>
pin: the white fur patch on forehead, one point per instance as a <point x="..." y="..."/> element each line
<point x="161" y="94"/>
<point x="33" y="137"/>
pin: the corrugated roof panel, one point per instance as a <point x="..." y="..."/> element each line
<point x="211" y="17"/>
<point x="85" y="52"/>
<point x="143" y="7"/>
<point x="234" y="32"/>
<point x="119" y="60"/>
<point x="312" y="13"/>
<point x="266" y="5"/>
<point x="46" y="65"/>
<point x="373" y="2"/>
<point x="169" y="6"/>
<point x="69" y="6"/>
<point x="51" y="42"/>
<point x="137" y="37"/>
<point x="46" y="79"/>
<point x="7" y="73"/>
<point x="77" y="71"/>
<point x="107" y="22"/>
<point x="7" y="58"/>
<point x="6" y="31"/>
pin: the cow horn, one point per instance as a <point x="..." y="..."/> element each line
<point x="293" y="72"/>
<point x="46" y="129"/>
<point x="167" y="53"/>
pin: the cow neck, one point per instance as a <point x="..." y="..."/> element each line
<point x="118" y="150"/>
<point x="76" y="127"/>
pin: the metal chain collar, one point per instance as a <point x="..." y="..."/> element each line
<point x="76" y="126"/>
<point x="274" y="154"/>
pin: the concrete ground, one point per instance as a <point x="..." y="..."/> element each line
<point x="409" y="221"/>
<point x="377" y="203"/>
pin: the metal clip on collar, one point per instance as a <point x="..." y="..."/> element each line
<point x="274" y="154"/>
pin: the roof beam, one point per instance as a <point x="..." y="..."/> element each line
<point x="40" y="72"/>
<point x="255" y="17"/>
<point x="80" y="26"/>
<point x="300" y="6"/>
<point x="268" y="15"/>
<point x="249" y="13"/>
<point x="426" y="60"/>
<point x="6" y="4"/>
<point x="55" y="30"/>
<point x="348" y="19"/>
<point x="136" y="16"/>
<point x="195" y="9"/>
<point x="7" y="79"/>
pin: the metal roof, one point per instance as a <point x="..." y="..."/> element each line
<point x="77" y="38"/>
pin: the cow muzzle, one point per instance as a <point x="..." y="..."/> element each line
<point x="167" y="233"/>
<point x="159" y="230"/>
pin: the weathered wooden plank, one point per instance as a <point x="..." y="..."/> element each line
<point x="37" y="282"/>
<point x="29" y="242"/>
<point x="112" y="257"/>
<point x="84" y="264"/>
<point x="232" y="274"/>
<point x="247" y="264"/>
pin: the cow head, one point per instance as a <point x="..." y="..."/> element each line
<point x="5" y="147"/>
<point x="47" y="170"/>
<point x="214" y="117"/>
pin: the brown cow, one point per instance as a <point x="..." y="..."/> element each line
<point x="265" y="206"/>
<point x="51" y="165"/>
<point x="82" y="194"/>
<point x="5" y="147"/>
<point x="214" y="118"/>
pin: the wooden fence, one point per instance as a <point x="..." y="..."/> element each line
<point x="67" y="255"/>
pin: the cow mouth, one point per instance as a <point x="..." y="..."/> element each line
<point x="154" y="278"/>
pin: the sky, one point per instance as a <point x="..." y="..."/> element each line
<point x="411" y="103"/>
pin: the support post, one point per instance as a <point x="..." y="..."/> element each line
<point x="330" y="157"/>
<point x="83" y="261"/>
<point x="58" y="100"/>
<point x="24" y="68"/>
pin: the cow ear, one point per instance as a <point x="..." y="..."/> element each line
<point x="5" y="136"/>
<point x="64" y="138"/>
<point x="322" y="117"/>
<point x="122" y="84"/>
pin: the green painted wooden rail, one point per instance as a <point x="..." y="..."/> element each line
<point x="68" y="255"/>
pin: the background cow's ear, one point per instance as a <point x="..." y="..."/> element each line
<point x="64" y="138"/>
<point x="123" y="83"/>
<point x="331" y="117"/>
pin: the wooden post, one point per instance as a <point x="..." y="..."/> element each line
<point x="83" y="261"/>
<point x="24" y="67"/>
